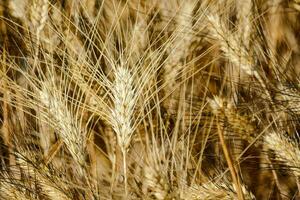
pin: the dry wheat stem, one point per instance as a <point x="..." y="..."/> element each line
<point x="234" y="175"/>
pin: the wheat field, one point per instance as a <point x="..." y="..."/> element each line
<point x="149" y="99"/>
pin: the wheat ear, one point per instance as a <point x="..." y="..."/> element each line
<point x="212" y="191"/>
<point x="67" y="127"/>
<point x="38" y="16"/>
<point x="124" y="96"/>
<point x="284" y="149"/>
<point x="9" y="190"/>
<point x="244" y="14"/>
<point x="234" y="51"/>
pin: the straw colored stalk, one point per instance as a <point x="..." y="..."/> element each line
<point x="218" y="104"/>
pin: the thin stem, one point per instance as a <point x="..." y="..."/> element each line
<point x="235" y="178"/>
<point x="125" y="172"/>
